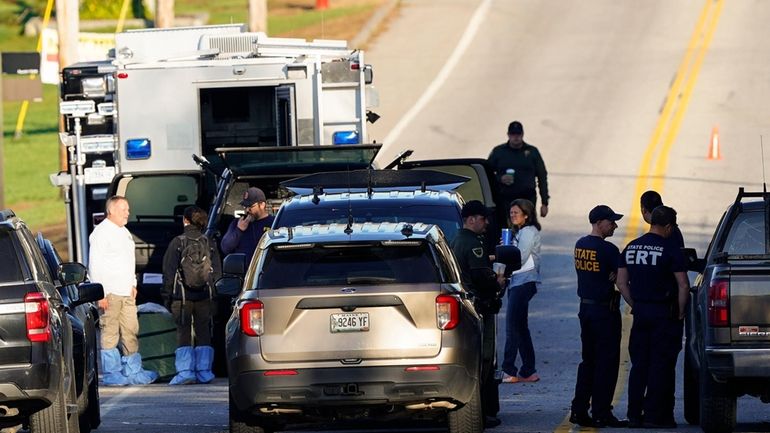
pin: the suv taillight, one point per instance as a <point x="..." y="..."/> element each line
<point x="252" y="320"/>
<point x="718" y="302"/>
<point x="37" y="312"/>
<point x="447" y="312"/>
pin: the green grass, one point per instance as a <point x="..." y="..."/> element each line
<point x="30" y="159"/>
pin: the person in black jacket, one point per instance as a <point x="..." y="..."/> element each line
<point x="520" y="172"/>
<point x="480" y="280"/>
<point x="191" y="306"/>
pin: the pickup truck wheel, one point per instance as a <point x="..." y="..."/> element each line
<point x="717" y="405"/>
<point x="691" y="394"/>
<point x="52" y="419"/>
<point x="242" y="423"/>
<point x="468" y="419"/>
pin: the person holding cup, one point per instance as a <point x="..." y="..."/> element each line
<point x="521" y="289"/>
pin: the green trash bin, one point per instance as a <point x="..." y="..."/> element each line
<point x="157" y="343"/>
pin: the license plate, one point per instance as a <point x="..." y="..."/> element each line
<point x="350" y="322"/>
<point x="98" y="174"/>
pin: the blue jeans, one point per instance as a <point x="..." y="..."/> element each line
<point x="518" y="341"/>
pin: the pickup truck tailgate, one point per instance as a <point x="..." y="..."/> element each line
<point x="750" y="303"/>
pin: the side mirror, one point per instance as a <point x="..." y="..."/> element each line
<point x="510" y="256"/>
<point x="692" y="261"/>
<point x="72" y="273"/>
<point x="229" y="286"/>
<point x="89" y="292"/>
<point x="234" y="264"/>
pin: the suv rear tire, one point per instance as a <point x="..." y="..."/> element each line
<point x="691" y="391"/>
<point x="468" y="419"/>
<point x="52" y="419"/>
<point x="717" y="404"/>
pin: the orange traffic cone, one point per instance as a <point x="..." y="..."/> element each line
<point x="321" y="4"/>
<point x="714" y="152"/>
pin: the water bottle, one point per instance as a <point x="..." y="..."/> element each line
<point x="510" y="172"/>
<point x="507" y="237"/>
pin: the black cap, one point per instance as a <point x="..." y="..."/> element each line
<point x="603" y="212"/>
<point x="474" y="207"/>
<point x="251" y="196"/>
<point x="516" y="127"/>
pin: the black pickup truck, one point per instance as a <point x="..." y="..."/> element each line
<point x="727" y="352"/>
<point x="38" y="388"/>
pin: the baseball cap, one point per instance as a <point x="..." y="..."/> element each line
<point x="515" y="127"/>
<point x="251" y="196"/>
<point x="603" y="212"/>
<point x="474" y="207"/>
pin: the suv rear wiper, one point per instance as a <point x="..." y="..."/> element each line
<point x="372" y="280"/>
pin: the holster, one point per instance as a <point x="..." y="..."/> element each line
<point x="614" y="301"/>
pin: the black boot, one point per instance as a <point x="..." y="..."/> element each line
<point x="582" y="419"/>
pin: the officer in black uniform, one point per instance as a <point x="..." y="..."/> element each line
<point x="648" y="201"/>
<point x="596" y="263"/>
<point x="481" y="281"/>
<point x="658" y="301"/>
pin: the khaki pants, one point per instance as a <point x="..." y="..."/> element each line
<point x="119" y="323"/>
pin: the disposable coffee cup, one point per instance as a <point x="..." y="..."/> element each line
<point x="499" y="268"/>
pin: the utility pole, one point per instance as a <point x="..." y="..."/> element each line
<point x="258" y="16"/>
<point x="68" y="26"/>
<point x="164" y="16"/>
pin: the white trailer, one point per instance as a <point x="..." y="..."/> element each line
<point x="168" y="94"/>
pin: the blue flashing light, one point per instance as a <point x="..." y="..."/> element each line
<point x="345" y="137"/>
<point x="138" y="148"/>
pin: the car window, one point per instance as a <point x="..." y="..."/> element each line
<point x="160" y="197"/>
<point x="345" y="264"/>
<point x="11" y="269"/>
<point x="447" y="217"/>
<point x="747" y="234"/>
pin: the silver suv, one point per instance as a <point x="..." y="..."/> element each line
<point x="352" y="322"/>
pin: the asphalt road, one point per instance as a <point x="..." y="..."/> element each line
<point x="619" y="96"/>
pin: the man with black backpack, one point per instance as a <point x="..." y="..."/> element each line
<point x="191" y="265"/>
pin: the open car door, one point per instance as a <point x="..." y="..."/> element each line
<point x="480" y="186"/>
<point x="157" y="202"/>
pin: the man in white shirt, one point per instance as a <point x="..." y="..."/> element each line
<point x="112" y="263"/>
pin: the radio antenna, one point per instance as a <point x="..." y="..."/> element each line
<point x="762" y="146"/>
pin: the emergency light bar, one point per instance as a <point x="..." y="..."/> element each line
<point x="77" y="108"/>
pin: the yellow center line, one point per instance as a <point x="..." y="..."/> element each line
<point x="658" y="149"/>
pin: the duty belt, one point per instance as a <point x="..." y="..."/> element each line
<point x="594" y="302"/>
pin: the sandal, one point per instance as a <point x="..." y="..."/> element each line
<point x="510" y="379"/>
<point x="531" y="378"/>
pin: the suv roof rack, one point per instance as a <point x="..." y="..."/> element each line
<point x="6" y="214"/>
<point x="374" y="179"/>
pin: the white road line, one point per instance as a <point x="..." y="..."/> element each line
<point x="435" y="85"/>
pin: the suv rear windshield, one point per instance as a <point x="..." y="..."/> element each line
<point x="447" y="217"/>
<point x="11" y="269"/>
<point x="398" y="262"/>
<point x="747" y="234"/>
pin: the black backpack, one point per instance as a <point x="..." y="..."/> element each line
<point x="195" y="263"/>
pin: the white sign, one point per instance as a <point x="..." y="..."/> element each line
<point x="91" y="46"/>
